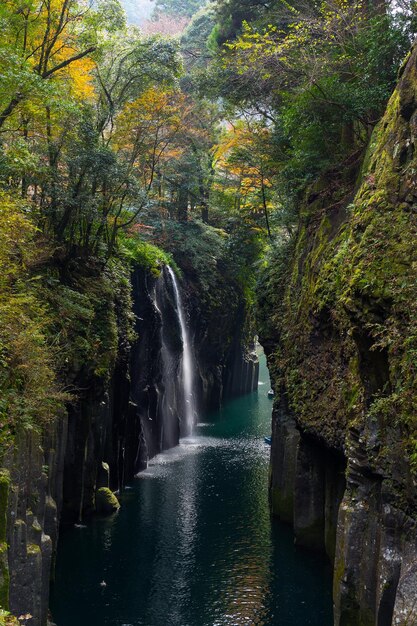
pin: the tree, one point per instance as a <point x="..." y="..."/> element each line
<point x="321" y="80"/>
<point x="40" y="42"/>
<point x="56" y="140"/>
<point x="127" y="66"/>
<point x="245" y="170"/>
<point x="165" y="136"/>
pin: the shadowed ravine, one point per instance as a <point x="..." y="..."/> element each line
<point x="193" y="544"/>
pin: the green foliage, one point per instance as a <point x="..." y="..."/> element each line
<point x="67" y="80"/>
<point x="231" y="14"/>
<point x="244" y="250"/>
<point x="52" y="328"/>
<point x="271" y="285"/>
<point x="144" y="254"/>
<point x="194" y="39"/>
<point x="320" y="76"/>
<point x="197" y="248"/>
<point x="343" y="302"/>
<point x="91" y="318"/>
<point x="30" y="393"/>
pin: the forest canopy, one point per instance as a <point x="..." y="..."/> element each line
<point x="107" y="134"/>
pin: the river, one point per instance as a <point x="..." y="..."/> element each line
<point x="194" y="544"/>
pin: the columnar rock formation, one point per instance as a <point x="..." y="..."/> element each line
<point x="341" y="338"/>
<point x="117" y="422"/>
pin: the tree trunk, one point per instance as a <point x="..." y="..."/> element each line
<point x="182" y="204"/>
<point x="265" y="208"/>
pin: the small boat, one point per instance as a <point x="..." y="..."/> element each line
<point x="271" y="393"/>
<point x="268" y="440"/>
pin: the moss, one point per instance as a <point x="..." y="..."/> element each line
<point x="345" y="312"/>
<point x="4" y="498"/>
<point x="36" y="526"/>
<point x="9" y="620"/>
<point x="106" y="501"/>
<point x="33" y="549"/>
<point x="144" y="254"/>
<point x="91" y="314"/>
<point x="4" y="577"/>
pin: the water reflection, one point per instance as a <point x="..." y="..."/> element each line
<point x="193" y="544"/>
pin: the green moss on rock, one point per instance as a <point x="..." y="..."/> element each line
<point x="33" y="549"/>
<point x="106" y="501"/>
<point x="4" y="498"/>
<point x="4" y="577"/>
<point x="8" y="620"/>
<point x="347" y="323"/>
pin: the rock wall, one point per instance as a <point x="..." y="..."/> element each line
<point x="31" y="497"/>
<point x="117" y="421"/>
<point x="235" y="371"/>
<point x="307" y="483"/>
<point x="146" y="363"/>
<point x="241" y="371"/>
<point x="340" y="330"/>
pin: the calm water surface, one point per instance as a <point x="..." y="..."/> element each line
<point x="193" y="544"/>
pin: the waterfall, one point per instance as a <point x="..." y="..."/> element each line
<point x="176" y="409"/>
<point x="168" y="394"/>
<point x="187" y="363"/>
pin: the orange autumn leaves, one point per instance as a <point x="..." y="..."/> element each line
<point x="155" y="131"/>
<point x="244" y="166"/>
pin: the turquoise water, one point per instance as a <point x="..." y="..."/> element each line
<point x="193" y="544"/>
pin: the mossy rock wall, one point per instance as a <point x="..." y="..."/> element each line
<point x="100" y="434"/>
<point x="52" y="465"/>
<point x="341" y="332"/>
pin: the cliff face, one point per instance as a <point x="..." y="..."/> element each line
<point x="340" y="329"/>
<point x="220" y="319"/>
<point x="127" y="407"/>
<point x="223" y="343"/>
<point x="54" y="467"/>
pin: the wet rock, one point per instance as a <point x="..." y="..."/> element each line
<point x="284" y="448"/>
<point x="309" y="497"/>
<point x="106" y="501"/>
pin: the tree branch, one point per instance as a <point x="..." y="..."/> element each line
<point x="60" y="66"/>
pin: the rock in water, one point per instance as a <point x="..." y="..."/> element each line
<point x="106" y="501"/>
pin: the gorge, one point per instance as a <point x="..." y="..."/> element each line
<point x="191" y="521"/>
<point x="173" y="197"/>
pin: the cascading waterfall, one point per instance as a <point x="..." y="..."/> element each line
<point x="176" y="393"/>
<point x="188" y="362"/>
<point x="168" y="394"/>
